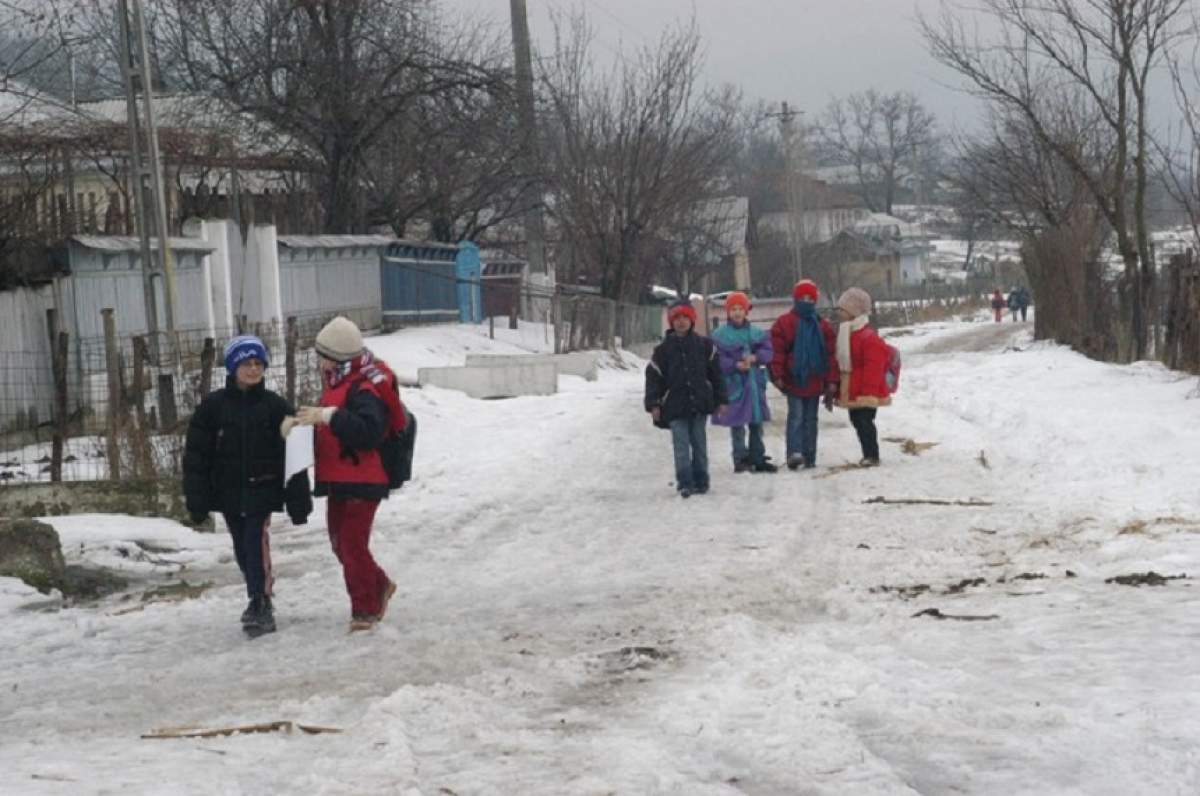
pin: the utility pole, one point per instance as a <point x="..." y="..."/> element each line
<point x="166" y="260"/>
<point x="139" y="174"/>
<point x="535" y="237"/>
<point x="794" y="165"/>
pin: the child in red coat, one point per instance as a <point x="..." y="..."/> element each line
<point x="863" y="359"/>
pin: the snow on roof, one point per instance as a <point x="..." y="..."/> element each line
<point x="22" y="105"/>
<point x="130" y="243"/>
<point x="335" y="241"/>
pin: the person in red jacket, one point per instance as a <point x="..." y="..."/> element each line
<point x="803" y="367"/>
<point x="998" y="305"/>
<point x="863" y="359"/>
<point x="359" y="407"/>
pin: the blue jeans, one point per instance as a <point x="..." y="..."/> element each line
<point x="690" y="442"/>
<point x="757" y="454"/>
<point x="802" y="427"/>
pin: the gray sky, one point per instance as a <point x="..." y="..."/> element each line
<point x="802" y="51"/>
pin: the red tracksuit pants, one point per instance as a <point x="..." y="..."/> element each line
<point x="349" y="521"/>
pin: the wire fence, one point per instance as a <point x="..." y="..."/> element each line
<point x="117" y="407"/>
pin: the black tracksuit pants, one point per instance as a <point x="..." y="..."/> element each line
<point x="252" y="548"/>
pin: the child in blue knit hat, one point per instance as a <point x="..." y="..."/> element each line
<point x="233" y="463"/>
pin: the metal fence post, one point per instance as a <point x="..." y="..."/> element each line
<point x="112" y="363"/>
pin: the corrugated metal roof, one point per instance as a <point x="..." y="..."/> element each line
<point x="334" y="241"/>
<point x="130" y="243"/>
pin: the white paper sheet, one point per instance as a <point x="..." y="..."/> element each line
<point x="299" y="451"/>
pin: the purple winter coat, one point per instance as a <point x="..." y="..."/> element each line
<point x="747" y="391"/>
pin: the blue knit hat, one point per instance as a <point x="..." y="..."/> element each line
<point x="244" y="347"/>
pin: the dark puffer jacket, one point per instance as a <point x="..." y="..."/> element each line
<point x="233" y="462"/>
<point x="684" y="377"/>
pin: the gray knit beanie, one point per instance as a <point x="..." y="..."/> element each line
<point x="855" y="301"/>
<point x="340" y="340"/>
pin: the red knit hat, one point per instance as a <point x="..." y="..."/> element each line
<point x="805" y="288"/>
<point x="737" y="299"/>
<point x="682" y="308"/>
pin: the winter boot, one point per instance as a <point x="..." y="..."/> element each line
<point x="262" y="618"/>
<point x="684" y="492"/>
<point x="360" y="622"/>
<point x="795" y="461"/>
<point x="765" y="467"/>
<point x="869" y="462"/>
<point x="252" y="609"/>
<point x="388" y="592"/>
<point x="742" y="466"/>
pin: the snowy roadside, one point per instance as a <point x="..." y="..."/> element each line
<point x="566" y="625"/>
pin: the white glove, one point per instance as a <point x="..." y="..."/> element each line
<point x="315" y="415"/>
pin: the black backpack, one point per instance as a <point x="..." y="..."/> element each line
<point x="397" y="452"/>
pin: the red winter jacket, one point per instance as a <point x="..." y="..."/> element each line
<point x="867" y="385"/>
<point x="783" y="336"/>
<point x="347" y="449"/>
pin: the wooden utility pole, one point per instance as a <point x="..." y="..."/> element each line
<point x="793" y="159"/>
<point x="535" y="237"/>
<point x="158" y="188"/>
<point x="149" y="271"/>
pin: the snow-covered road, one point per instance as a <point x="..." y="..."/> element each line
<point x="565" y="624"/>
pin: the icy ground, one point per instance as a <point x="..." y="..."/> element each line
<point x="566" y="625"/>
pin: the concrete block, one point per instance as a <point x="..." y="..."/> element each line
<point x="501" y="381"/>
<point x="584" y="364"/>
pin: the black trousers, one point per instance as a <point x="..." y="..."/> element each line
<point x="863" y="421"/>
<point x="252" y="548"/>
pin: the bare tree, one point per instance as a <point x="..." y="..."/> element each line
<point x="886" y="138"/>
<point x="630" y="149"/>
<point x="1009" y="178"/>
<point x="1101" y="53"/>
<point x="451" y="162"/>
<point x="333" y="76"/>
<point x="1179" y="148"/>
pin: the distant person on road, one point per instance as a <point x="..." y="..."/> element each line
<point x="233" y="463"/>
<point x="869" y="368"/>
<point x="1013" y="307"/>
<point x="683" y="387"/>
<point x="1023" y="300"/>
<point x="804" y="368"/>
<point x="360" y="408"/>
<point x="998" y="305"/>
<point x="744" y="352"/>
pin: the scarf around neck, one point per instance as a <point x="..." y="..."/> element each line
<point x="808" y="349"/>
<point x="364" y="362"/>
<point x="843" y="340"/>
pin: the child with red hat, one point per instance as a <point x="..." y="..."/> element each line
<point x="744" y="351"/>
<point x="804" y="368"/>
<point x="683" y="387"/>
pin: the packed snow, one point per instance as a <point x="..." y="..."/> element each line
<point x="567" y="625"/>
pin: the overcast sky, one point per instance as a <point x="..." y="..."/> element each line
<point x="802" y="51"/>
